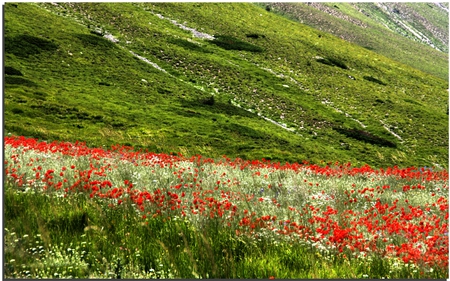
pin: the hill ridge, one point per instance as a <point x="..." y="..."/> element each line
<point x="387" y="28"/>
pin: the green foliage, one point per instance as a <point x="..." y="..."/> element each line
<point x="209" y="101"/>
<point x="90" y="40"/>
<point x="188" y="45"/>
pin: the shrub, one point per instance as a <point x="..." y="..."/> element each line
<point x="332" y="62"/>
<point x="375" y="80"/>
<point x="209" y="101"/>
<point x="230" y="43"/>
<point x="188" y="45"/>
<point x="255" y="35"/>
<point x="365" y="136"/>
<point x="90" y="40"/>
<point x="17" y="111"/>
<point x="19" y="81"/>
<point x="12" y="71"/>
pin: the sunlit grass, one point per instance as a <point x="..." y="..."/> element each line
<point x="78" y="84"/>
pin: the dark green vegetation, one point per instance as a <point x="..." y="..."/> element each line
<point x="66" y="81"/>
<point x="231" y="43"/>
<point x="81" y="237"/>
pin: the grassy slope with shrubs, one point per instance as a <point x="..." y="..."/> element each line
<point x="378" y="28"/>
<point x="65" y="82"/>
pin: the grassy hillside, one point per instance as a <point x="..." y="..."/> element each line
<point x="265" y="87"/>
<point x="400" y="31"/>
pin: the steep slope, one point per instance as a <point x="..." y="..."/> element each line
<point x="400" y="31"/>
<point x="151" y="75"/>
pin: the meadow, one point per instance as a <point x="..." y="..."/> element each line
<point x="195" y="119"/>
<point x="73" y="211"/>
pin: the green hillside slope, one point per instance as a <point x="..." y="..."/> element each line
<point x="400" y="31"/>
<point x="149" y="75"/>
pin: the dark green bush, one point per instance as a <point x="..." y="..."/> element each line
<point x="12" y="71"/>
<point x="255" y="35"/>
<point x="90" y="40"/>
<point x="69" y="221"/>
<point x="19" y="81"/>
<point x="230" y="43"/>
<point x="245" y="131"/>
<point x="40" y="95"/>
<point x="365" y="136"/>
<point x="332" y="62"/>
<point x="209" y="101"/>
<point x="375" y="80"/>
<point x="188" y="45"/>
<point x="17" y="111"/>
<point x="26" y="45"/>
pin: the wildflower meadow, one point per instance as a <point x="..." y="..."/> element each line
<point x="71" y="211"/>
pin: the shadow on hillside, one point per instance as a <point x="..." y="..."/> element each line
<point x="25" y="45"/>
<point x="332" y="62"/>
<point x="365" y="137"/>
<point x="90" y="40"/>
<point x="217" y="107"/>
<point x="188" y="45"/>
<point x="231" y="43"/>
<point x="374" y="80"/>
<point x="245" y="131"/>
<point x="19" y="81"/>
<point x="12" y="71"/>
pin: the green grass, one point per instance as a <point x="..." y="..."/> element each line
<point x="369" y="26"/>
<point x="160" y="248"/>
<point x="115" y="243"/>
<point x="76" y="85"/>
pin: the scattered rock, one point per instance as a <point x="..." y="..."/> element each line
<point x="111" y="38"/>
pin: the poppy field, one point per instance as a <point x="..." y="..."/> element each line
<point x="71" y="211"/>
